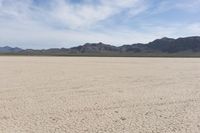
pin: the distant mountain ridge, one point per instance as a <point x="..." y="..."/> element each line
<point x="7" y="49"/>
<point x="187" y="46"/>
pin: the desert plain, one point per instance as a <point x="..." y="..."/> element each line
<point x="99" y="95"/>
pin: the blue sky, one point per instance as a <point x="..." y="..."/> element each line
<point x="67" y="23"/>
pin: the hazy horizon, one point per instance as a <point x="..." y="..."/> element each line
<point x="16" y="46"/>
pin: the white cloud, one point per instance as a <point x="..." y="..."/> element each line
<point x="190" y="29"/>
<point x="84" y="15"/>
<point x="21" y="22"/>
<point x="182" y="5"/>
<point x="67" y="14"/>
<point x="191" y="6"/>
<point x="64" y="24"/>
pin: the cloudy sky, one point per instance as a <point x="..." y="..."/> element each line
<point x="67" y="23"/>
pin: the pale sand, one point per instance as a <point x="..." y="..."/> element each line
<point x="89" y="95"/>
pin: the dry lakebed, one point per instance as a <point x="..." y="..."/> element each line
<point x="99" y="95"/>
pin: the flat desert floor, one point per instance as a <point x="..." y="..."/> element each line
<point x="99" y="95"/>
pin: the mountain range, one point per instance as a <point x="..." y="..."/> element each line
<point x="186" y="47"/>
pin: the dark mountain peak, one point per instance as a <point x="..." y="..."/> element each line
<point x="163" y="40"/>
<point x="190" y="38"/>
<point x="96" y="44"/>
<point x="170" y="45"/>
<point x="7" y="49"/>
<point x="167" y="38"/>
<point x="94" y="48"/>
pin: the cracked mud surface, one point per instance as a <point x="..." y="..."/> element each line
<point x="99" y="95"/>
